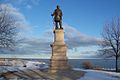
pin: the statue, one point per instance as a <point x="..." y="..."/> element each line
<point x="59" y="60"/>
<point x="58" y="17"/>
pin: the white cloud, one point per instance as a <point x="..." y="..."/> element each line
<point x="12" y="11"/>
<point x="18" y="2"/>
<point x="22" y="24"/>
<point x="28" y="6"/>
<point x="75" y="38"/>
<point x="82" y="55"/>
<point x="21" y="21"/>
<point x="24" y="3"/>
<point x="35" y="2"/>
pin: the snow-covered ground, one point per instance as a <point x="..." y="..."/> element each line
<point x="99" y="75"/>
<point x="18" y="65"/>
<point x="89" y="75"/>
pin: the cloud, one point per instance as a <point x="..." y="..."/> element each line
<point x="12" y="11"/>
<point x="35" y="45"/>
<point x="74" y="38"/>
<point x="35" y="2"/>
<point x="22" y="24"/>
<point x="28" y="6"/>
<point x="84" y="55"/>
<point x="18" y="2"/>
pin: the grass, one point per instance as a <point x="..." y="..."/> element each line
<point x="39" y="75"/>
<point x="67" y="75"/>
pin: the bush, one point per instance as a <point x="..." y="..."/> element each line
<point x="87" y="65"/>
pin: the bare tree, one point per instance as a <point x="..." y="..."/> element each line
<point x="111" y="41"/>
<point x="7" y="29"/>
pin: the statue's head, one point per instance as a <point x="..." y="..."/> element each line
<point x="58" y="6"/>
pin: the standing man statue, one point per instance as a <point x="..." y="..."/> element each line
<point x="57" y="17"/>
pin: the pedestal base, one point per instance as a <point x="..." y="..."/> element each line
<point x="59" y="59"/>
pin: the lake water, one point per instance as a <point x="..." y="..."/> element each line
<point x="103" y="63"/>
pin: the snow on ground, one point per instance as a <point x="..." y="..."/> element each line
<point x="29" y="65"/>
<point x="89" y="75"/>
<point x="99" y="75"/>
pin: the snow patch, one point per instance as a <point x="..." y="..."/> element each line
<point x="99" y="75"/>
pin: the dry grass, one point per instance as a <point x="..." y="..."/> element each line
<point x="67" y="75"/>
<point x="40" y="75"/>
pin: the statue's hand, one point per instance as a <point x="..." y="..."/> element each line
<point x="51" y="14"/>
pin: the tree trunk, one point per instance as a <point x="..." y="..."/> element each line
<point x="116" y="64"/>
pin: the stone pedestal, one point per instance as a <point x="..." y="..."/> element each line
<point x="58" y="59"/>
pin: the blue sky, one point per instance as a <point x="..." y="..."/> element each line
<point x="83" y="21"/>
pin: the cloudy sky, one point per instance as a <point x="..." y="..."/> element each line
<point x="83" y="21"/>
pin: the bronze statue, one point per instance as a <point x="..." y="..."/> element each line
<point x="57" y="17"/>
